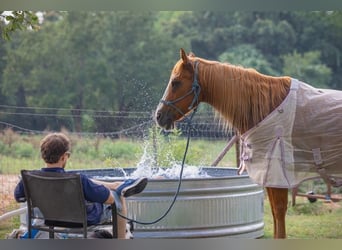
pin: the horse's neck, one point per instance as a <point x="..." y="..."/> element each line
<point x="243" y="97"/>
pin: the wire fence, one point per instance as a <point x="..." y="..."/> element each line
<point x="135" y="126"/>
<point x="115" y="124"/>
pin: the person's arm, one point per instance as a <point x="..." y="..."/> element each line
<point x="19" y="192"/>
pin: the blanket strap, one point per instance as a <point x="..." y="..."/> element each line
<point x="321" y="170"/>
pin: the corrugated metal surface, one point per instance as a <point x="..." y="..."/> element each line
<point x="222" y="206"/>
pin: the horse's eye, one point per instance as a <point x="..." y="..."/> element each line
<point x="175" y="83"/>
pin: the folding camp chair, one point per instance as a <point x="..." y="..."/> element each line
<point x="61" y="203"/>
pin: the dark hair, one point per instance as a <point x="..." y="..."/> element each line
<point x="53" y="146"/>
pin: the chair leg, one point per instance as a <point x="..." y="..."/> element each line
<point x="114" y="221"/>
<point x="51" y="233"/>
<point x="29" y="231"/>
<point x="85" y="229"/>
<point x="117" y="200"/>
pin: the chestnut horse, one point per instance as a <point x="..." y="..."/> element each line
<point x="242" y="97"/>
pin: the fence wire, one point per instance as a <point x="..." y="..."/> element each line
<point x="132" y="126"/>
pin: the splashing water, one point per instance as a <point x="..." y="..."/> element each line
<point x="172" y="172"/>
<point x="146" y="168"/>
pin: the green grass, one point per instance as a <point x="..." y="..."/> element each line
<point x="306" y="220"/>
<point x="22" y="152"/>
<point x="88" y="153"/>
<point x="319" y="220"/>
<point x="8" y="225"/>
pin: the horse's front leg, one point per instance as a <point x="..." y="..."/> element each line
<point x="278" y="199"/>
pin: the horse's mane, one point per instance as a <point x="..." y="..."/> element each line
<point x="242" y="96"/>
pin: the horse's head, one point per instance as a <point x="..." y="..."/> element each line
<point x="181" y="94"/>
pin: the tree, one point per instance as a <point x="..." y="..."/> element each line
<point x="16" y="84"/>
<point x="320" y="31"/>
<point x="138" y="59"/>
<point x="248" y="56"/>
<point x="17" y="20"/>
<point x="106" y="65"/>
<point x="307" y="67"/>
<point x="273" y="38"/>
<point x="104" y="61"/>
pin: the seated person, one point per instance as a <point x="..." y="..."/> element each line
<point x="55" y="151"/>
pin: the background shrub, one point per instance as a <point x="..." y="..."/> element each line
<point x="23" y="150"/>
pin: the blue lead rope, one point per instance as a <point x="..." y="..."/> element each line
<point x="189" y="127"/>
<point x="196" y="89"/>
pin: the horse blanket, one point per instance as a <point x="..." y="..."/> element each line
<point x="300" y="139"/>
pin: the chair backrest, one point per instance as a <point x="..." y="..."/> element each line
<point x="58" y="196"/>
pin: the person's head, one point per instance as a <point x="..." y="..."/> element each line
<point x="54" y="148"/>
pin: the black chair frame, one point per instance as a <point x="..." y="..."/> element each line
<point x="60" y="200"/>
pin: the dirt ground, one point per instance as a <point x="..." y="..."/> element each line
<point x="7" y="185"/>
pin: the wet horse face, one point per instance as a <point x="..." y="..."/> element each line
<point x="181" y="94"/>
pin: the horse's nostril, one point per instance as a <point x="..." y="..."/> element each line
<point x="158" y="115"/>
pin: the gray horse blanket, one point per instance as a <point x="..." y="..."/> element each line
<point x="300" y="139"/>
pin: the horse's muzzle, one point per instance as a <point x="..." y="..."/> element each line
<point x="164" y="119"/>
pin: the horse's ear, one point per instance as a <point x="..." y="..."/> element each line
<point x="191" y="54"/>
<point x="183" y="56"/>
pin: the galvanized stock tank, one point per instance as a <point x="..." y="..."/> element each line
<point x="221" y="205"/>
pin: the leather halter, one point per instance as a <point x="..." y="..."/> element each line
<point x="195" y="89"/>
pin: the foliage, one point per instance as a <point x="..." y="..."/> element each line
<point x="100" y="152"/>
<point x="17" y="20"/>
<point x="248" y="56"/>
<point x="80" y="68"/>
<point x="168" y="149"/>
<point x="8" y="137"/>
<point x="11" y="144"/>
<point x="118" y="149"/>
<point x="89" y="70"/>
<point x="23" y="150"/>
<point x="308" y="68"/>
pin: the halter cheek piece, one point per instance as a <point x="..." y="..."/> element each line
<point x="195" y="89"/>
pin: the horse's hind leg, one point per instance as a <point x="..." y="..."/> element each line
<point x="278" y="199"/>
